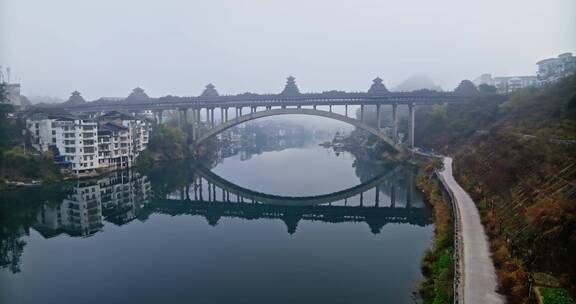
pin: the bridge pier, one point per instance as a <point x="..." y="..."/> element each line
<point x="395" y="123"/>
<point x="345" y="110"/>
<point x="410" y="190"/>
<point x="158" y="116"/>
<point x="378" y="120"/>
<point x="330" y="108"/>
<point x="393" y="194"/>
<point x="212" y="117"/>
<point x="377" y="199"/>
<point x="193" y="123"/>
<point x="362" y="113"/>
<point x="411" y="111"/>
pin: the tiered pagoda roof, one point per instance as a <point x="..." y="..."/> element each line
<point x="75" y="98"/>
<point x="377" y="87"/>
<point x="291" y="88"/>
<point x="210" y="91"/>
<point x="137" y="94"/>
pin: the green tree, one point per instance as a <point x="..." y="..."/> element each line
<point x="486" y="88"/>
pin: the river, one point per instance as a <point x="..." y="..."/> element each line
<point x="206" y="233"/>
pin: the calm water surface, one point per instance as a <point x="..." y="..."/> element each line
<point x="161" y="237"/>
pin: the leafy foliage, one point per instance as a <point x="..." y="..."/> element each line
<point x="166" y="143"/>
<point x="555" y="296"/>
<point x="507" y="156"/>
<point x="437" y="265"/>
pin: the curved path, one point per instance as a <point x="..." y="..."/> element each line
<point x="272" y="112"/>
<point x="478" y="275"/>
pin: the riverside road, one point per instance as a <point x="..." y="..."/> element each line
<point x="479" y="276"/>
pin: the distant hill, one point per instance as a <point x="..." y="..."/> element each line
<point x="36" y="99"/>
<point x="515" y="155"/>
<point x="417" y="82"/>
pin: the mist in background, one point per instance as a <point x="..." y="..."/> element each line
<point x="106" y="48"/>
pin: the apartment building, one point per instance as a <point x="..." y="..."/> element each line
<point x="505" y="85"/>
<point x="84" y="145"/>
<point x="72" y="140"/>
<point x="553" y="69"/>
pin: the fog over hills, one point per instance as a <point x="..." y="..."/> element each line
<point x="417" y="82"/>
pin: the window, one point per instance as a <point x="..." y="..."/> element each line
<point x="53" y="132"/>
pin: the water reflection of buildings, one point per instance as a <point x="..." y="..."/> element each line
<point x="258" y="137"/>
<point x="117" y="198"/>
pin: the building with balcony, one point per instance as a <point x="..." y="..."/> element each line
<point x="553" y="69"/>
<point x="505" y="85"/>
<point x="85" y="146"/>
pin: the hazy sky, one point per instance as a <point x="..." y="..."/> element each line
<point x="108" y="47"/>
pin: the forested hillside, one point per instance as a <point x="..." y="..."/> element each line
<point x="516" y="156"/>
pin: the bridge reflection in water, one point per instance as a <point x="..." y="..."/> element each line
<point x="126" y="196"/>
<point x="377" y="202"/>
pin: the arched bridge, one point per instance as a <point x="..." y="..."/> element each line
<point x="284" y="111"/>
<point x="210" y="100"/>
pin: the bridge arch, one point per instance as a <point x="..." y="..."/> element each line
<point x="286" y="111"/>
<point x="270" y="199"/>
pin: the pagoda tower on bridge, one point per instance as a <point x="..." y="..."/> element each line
<point x="138" y="94"/>
<point x="291" y="88"/>
<point x="377" y="87"/>
<point x="210" y="91"/>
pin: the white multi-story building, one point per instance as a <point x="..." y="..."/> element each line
<point x="553" y="69"/>
<point x="72" y="140"/>
<point x="506" y="85"/>
<point x="84" y="145"/>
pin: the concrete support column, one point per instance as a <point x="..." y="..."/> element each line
<point x="330" y="108"/>
<point x="314" y="107"/>
<point x="362" y="113"/>
<point x="221" y="115"/>
<point x="160" y="116"/>
<point x="378" y="118"/>
<point x="179" y="118"/>
<point x="193" y="123"/>
<point x="395" y="123"/>
<point x="212" y="117"/>
<point x="377" y="199"/>
<point x="410" y="190"/>
<point x="411" y="111"/>
<point x="346" y="110"/>
<point x="268" y="107"/>
<point x="185" y="115"/>
<point x="226" y="114"/>
<point x="240" y="111"/>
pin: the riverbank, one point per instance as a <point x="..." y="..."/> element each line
<point x="437" y="263"/>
